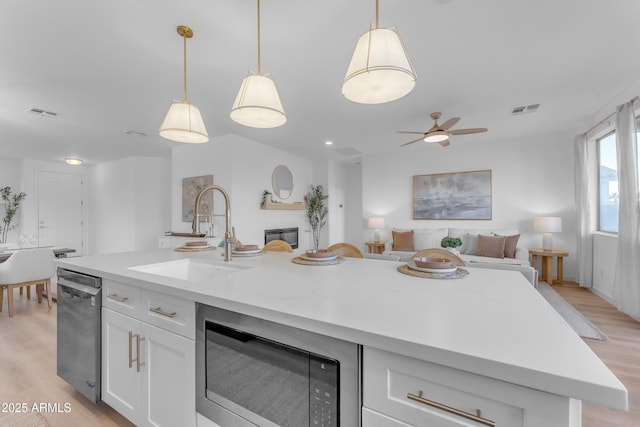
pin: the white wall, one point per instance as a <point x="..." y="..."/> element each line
<point x="243" y="168"/>
<point x="129" y="204"/>
<point x="531" y="176"/>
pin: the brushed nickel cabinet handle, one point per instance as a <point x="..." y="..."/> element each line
<point x="130" y="350"/>
<point x="117" y="298"/>
<point x="458" y="412"/>
<point x="138" y="363"/>
<point x="160" y="311"/>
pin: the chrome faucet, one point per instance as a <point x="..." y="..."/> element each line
<point x="229" y="238"/>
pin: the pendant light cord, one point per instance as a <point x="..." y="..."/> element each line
<point x="184" y="69"/>
<point x="259" y="70"/>
<point x="376" y="14"/>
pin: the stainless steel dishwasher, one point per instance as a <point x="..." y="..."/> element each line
<point x="79" y="303"/>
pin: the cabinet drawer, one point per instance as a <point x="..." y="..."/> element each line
<point x="121" y="297"/>
<point x="168" y="312"/>
<point x="443" y="396"/>
<point x="372" y="418"/>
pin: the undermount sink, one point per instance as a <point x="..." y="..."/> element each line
<point x="189" y="269"/>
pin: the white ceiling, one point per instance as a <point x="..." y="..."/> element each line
<point x="110" y="66"/>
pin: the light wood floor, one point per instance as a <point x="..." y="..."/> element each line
<point x="621" y="353"/>
<point x="28" y="363"/>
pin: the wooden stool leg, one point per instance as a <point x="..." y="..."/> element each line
<point x="39" y="292"/>
<point x="1" y="296"/>
<point x="20" y="291"/>
<point x="47" y="285"/>
<point x="28" y="291"/>
<point x="10" y="299"/>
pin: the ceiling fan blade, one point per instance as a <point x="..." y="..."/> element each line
<point x="410" y="131"/>
<point x="449" y="123"/>
<point x="411" y="142"/>
<point x="467" y="131"/>
<point x="444" y="143"/>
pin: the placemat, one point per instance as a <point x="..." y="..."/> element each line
<point x="458" y="274"/>
<point x="194" y="249"/>
<point x="298" y="260"/>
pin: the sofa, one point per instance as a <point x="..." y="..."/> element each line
<point x="478" y="246"/>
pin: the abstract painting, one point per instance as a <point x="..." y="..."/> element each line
<point x="458" y="195"/>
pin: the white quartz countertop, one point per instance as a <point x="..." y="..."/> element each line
<point x="492" y="322"/>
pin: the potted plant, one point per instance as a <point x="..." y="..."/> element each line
<point x="266" y="198"/>
<point x="317" y="211"/>
<point x="11" y="203"/>
<point x="451" y="243"/>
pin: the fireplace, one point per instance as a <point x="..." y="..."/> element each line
<point x="289" y="235"/>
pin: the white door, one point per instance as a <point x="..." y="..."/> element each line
<point x="60" y="210"/>
<point x="120" y="383"/>
<point x="168" y="377"/>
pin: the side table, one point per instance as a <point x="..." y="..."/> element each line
<point x="375" y="247"/>
<point x="546" y="273"/>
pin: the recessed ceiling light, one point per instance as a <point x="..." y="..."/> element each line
<point x="73" y="161"/>
<point x="328" y="143"/>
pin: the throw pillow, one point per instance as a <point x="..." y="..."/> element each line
<point x="491" y="246"/>
<point x="510" y="245"/>
<point x="469" y="244"/>
<point x="402" y="241"/>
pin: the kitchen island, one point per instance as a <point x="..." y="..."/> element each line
<point x="491" y="325"/>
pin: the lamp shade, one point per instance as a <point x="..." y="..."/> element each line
<point x="258" y="104"/>
<point x="380" y="69"/>
<point x="183" y="123"/>
<point x="547" y="224"/>
<point x="376" y="223"/>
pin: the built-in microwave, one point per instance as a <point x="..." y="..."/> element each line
<point x="256" y="372"/>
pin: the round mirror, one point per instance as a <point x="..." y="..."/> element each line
<point x="282" y="182"/>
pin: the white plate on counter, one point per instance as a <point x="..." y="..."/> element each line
<point x="195" y="247"/>
<point x="413" y="266"/>
<point x="328" y="258"/>
<point x="251" y="252"/>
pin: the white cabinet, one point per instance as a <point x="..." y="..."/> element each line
<point x="148" y="370"/>
<point x="401" y="391"/>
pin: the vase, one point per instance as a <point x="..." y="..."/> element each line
<point x="453" y="251"/>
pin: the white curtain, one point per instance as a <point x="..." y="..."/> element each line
<point x="585" y="190"/>
<point x="626" y="285"/>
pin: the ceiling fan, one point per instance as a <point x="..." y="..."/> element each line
<point x="440" y="133"/>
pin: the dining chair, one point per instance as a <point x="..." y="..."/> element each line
<point x="345" y="249"/>
<point x="25" y="268"/>
<point x="439" y="253"/>
<point x="277" y="246"/>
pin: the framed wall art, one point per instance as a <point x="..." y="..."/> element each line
<point x="190" y="188"/>
<point x="457" y="195"/>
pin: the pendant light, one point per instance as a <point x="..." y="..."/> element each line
<point x="258" y="104"/>
<point x="380" y="69"/>
<point x="183" y="122"/>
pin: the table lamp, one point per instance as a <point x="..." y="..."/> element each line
<point x="376" y="223"/>
<point x="547" y="225"/>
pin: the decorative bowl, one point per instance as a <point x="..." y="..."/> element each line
<point x="427" y="262"/>
<point x="244" y="248"/>
<point x="319" y="253"/>
<point x="196" y="244"/>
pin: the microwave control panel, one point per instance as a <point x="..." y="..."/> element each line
<point x="324" y="386"/>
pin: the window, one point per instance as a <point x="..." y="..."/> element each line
<point x="607" y="183"/>
<point x="608" y="196"/>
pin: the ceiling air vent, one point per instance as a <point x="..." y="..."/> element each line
<point x="43" y="113"/>
<point x="525" y="109"/>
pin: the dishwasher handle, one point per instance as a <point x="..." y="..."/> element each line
<point x="79" y="287"/>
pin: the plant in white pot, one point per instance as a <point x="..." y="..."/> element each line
<point x="451" y="243"/>
<point x="317" y="211"/>
<point x="11" y="203"/>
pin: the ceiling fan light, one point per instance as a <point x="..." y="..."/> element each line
<point x="436" y="136"/>
<point x="183" y="123"/>
<point x="380" y="70"/>
<point x="258" y="104"/>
